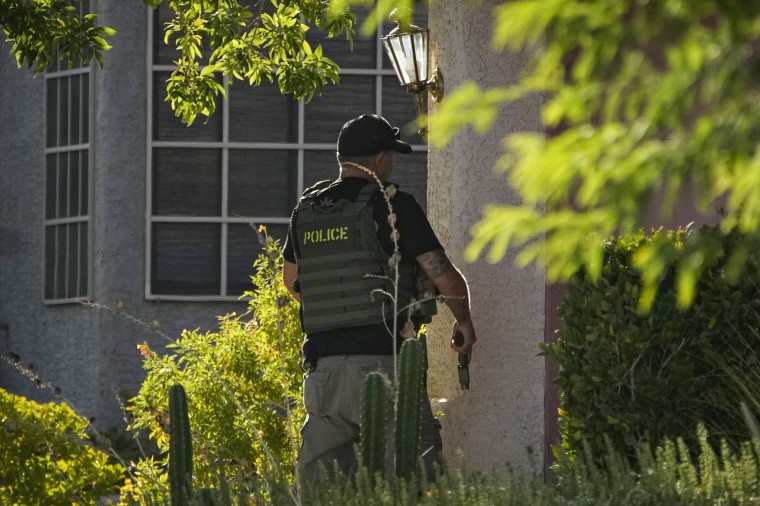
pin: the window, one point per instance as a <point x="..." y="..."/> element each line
<point x="208" y="183"/>
<point x="67" y="181"/>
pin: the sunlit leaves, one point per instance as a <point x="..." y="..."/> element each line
<point x="47" y="455"/>
<point x="467" y="105"/>
<point x="43" y="31"/>
<point x="522" y="23"/>
<point x="379" y="11"/>
<point x="538" y="235"/>
<point x="644" y="97"/>
<point x="309" y="74"/>
<point x="191" y="92"/>
<point x="212" y="38"/>
<point x="268" y="44"/>
<point x="239" y="379"/>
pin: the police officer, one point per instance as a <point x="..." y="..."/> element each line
<point x="337" y="257"/>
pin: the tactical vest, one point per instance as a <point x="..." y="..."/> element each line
<point x="343" y="269"/>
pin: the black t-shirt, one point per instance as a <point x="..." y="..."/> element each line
<point x="416" y="237"/>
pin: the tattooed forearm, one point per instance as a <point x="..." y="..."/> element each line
<point x="435" y="263"/>
<point x="449" y="282"/>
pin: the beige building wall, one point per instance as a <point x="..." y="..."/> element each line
<point x="500" y="420"/>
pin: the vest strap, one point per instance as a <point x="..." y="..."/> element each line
<point x="349" y="317"/>
<point x="369" y="284"/>
<point x="336" y="258"/>
<point x="347" y="272"/>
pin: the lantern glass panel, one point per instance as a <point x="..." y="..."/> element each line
<point x="389" y="49"/>
<point x="408" y="54"/>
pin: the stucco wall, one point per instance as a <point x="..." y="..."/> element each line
<point x="119" y="223"/>
<point x="500" y="420"/>
<point x="35" y="332"/>
<point x="89" y="353"/>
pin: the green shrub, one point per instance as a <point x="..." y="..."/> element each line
<point x="45" y="457"/>
<point x="630" y="376"/>
<point x="234" y="380"/>
<point x="244" y="358"/>
<point x="669" y="474"/>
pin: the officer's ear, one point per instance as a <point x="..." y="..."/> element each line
<point x="380" y="157"/>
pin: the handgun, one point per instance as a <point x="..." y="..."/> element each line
<point x="463" y="369"/>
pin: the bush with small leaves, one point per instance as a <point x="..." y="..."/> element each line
<point x="629" y="375"/>
<point x="243" y="386"/>
<point x="46" y="457"/>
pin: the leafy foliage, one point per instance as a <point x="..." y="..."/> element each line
<point x="247" y="46"/>
<point x="379" y="10"/>
<point x="643" y="98"/>
<point x="668" y="474"/>
<point x="628" y="377"/>
<point x="213" y="37"/>
<point x="45" y="457"/>
<point x="44" y="30"/>
<point x="236" y="381"/>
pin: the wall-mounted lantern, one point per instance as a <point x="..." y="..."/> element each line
<point x="407" y="47"/>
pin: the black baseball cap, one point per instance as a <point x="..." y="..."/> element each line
<point x="370" y="134"/>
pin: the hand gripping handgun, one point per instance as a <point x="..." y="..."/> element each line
<point x="462" y="368"/>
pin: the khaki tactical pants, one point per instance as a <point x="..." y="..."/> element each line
<point x="332" y="396"/>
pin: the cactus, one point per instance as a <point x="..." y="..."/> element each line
<point x="408" y="413"/>
<point x="374" y="415"/>
<point x="180" y="448"/>
<point x="202" y="497"/>
<point x="408" y="407"/>
<point x="181" y="454"/>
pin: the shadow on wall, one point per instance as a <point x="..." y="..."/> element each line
<point x="4" y="338"/>
<point x="4" y="348"/>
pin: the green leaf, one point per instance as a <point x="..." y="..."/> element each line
<point x="522" y="22"/>
<point x="208" y="70"/>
